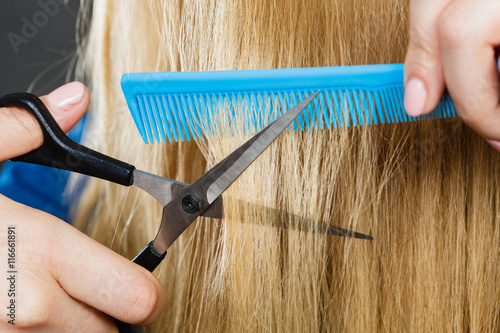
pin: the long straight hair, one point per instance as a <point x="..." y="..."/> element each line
<point x="427" y="192"/>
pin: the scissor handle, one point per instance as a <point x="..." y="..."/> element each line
<point x="148" y="258"/>
<point x="59" y="151"/>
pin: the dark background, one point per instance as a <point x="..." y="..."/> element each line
<point x="45" y="58"/>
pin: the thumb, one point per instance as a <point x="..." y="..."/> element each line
<point x="423" y="73"/>
<point x="20" y="133"/>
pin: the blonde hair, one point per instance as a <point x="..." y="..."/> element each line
<point x="427" y="191"/>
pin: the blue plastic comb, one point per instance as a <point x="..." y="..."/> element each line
<point x="178" y="106"/>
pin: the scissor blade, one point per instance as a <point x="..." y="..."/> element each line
<point x="194" y="200"/>
<point x="162" y="189"/>
<point x="226" y="172"/>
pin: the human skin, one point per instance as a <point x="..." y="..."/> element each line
<point x="452" y="45"/>
<point x="65" y="275"/>
<point x="66" y="282"/>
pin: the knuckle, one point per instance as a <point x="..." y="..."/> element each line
<point x="423" y="56"/>
<point x="423" y="44"/>
<point x="454" y="27"/>
<point x="143" y="299"/>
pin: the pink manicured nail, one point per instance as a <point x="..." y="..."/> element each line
<point x="66" y="97"/>
<point x="415" y="97"/>
<point x="494" y="144"/>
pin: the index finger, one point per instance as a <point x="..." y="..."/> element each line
<point x="101" y="278"/>
<point x="469" y="35"/>
<point x="85" y="269"/>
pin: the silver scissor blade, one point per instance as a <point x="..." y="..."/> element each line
<point x="226" y="172"/>
<point x="194" y="200"/>
<point x="163" y="189"/>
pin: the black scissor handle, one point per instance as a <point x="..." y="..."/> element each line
<point x="59" y="151"/>
<point x="148" y="258"/>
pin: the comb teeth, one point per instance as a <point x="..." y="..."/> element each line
<point x="185" y="106"/>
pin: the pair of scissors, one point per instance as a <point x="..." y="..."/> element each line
<point x="182" y="203"/>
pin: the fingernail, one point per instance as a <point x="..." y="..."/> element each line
<point x="415" y="97"/>
<point x="494" y="144"/>
<point x="66" y="97"/>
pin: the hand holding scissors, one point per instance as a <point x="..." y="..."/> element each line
<point x="182" y="203"/>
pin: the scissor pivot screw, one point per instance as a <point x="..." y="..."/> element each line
<point x="190" y="203"/>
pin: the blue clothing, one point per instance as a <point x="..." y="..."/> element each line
<point x="38" y="186"/>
